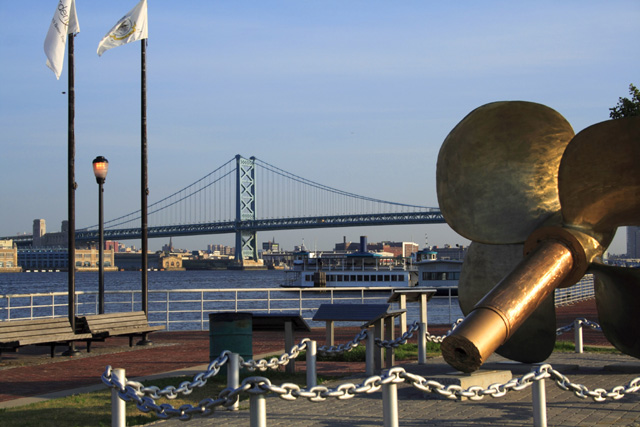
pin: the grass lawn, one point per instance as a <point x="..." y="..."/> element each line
<point x="94" y="409"/>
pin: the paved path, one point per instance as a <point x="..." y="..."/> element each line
<point x="31" y="375"/>
<point x="416" y="408"/>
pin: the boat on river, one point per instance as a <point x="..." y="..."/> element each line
<point x="440" y="274"/>
<point x="358" y="269"/>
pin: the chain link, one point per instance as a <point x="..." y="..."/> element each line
<point x="342" y="348"/>
<point x="581" y="321"/>
<point x="439" y="339"/>
<point x="275" y="362"/>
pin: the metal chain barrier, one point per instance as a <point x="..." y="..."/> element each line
<point x="145" y="396"/>
<point x="342" y="348"/>
<point x="439" y="339"/>
<point x="400" y="340"/>
<point x="276" y="362"/>
<point x="583" y="321"/>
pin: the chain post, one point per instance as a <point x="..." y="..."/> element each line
<point x="233" y="377"/>
<point x="312" y="377"/>
<point x="118" y="406"/>
<point x="258" y="410"/>
<point x="370" y="355"/>
<point x="422" y="345"/>
<point x="390" y="404"/>
<point x="577" y="333"/>
<point x="539" y="397"/>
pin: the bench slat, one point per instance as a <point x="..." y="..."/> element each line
<point x="113" y="324"/>
<point x="53" y="338"/>
<point x="18" y="333"/>
<point x="34" y="333"/>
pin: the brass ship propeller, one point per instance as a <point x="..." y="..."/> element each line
<point x="541" y="206"/>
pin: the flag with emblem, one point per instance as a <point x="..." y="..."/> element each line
<point x="130" y="28"/>
<point x="65" y="21"/>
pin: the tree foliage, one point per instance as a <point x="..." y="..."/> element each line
<point x="627" y="107"/>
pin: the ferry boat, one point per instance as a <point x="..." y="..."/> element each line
<point x="358" y="269"/>
<point x="440" y="274"/>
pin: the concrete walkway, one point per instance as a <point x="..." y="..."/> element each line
<point x="417" y="408"/>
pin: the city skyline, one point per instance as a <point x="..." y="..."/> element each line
<point x="357" y="95"/>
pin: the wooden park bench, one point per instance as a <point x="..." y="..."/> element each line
<point x="48" y="331"/>
<point x="102" y="326"/>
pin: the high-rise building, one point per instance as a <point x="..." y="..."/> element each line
<point x="633" y="242"/>
<point x="39" y="230"/>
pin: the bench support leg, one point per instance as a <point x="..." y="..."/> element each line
<point x="71" y="351"/>
<point x="402" y="305"/>
<point x="389" y="334"/>
<point x="145" y="340"/>
<point x="330" y="333"/>
<point x="378" y="353"/>
<point x="288" y="344"/>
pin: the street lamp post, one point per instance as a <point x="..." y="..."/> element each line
<point x="100" y="169"/>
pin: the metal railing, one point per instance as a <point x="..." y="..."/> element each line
<point x="581" y="291"/>
<point x="188" y="309"/>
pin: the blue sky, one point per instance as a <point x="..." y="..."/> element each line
<point x="323" y="89"/>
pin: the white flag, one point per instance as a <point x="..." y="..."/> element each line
<point x="65" y="21"/>
<point x="130" y="28"/>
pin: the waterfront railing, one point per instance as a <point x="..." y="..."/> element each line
<point x="189" y="309"/>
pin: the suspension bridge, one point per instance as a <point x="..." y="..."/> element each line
<point x="247" y="195"/>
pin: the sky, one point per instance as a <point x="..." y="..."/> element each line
<point x="356" y="95"/>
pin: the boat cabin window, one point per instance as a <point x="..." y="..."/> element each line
<point x="441" y="275"/>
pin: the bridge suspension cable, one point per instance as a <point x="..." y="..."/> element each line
<point x="301" y="197"/>
<point x="276" y="199"/>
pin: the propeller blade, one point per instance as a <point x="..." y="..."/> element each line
<point x="617" y="297"/>
<point x="497" y="171"/>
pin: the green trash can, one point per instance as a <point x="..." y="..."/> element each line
<point x="231" y="331"/>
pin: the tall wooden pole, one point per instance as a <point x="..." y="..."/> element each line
<point x="144" y="178"/>
<point x="71" y="195"/>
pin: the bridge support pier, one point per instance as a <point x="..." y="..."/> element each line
<point x="246" y="244"/>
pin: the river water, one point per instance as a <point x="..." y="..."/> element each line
<point x="169" y="303"/>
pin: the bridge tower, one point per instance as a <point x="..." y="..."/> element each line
<point x="246" y="244"/>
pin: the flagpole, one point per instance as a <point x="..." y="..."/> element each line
<point x="144" y="179"/>
<point x="71" y="197"/>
